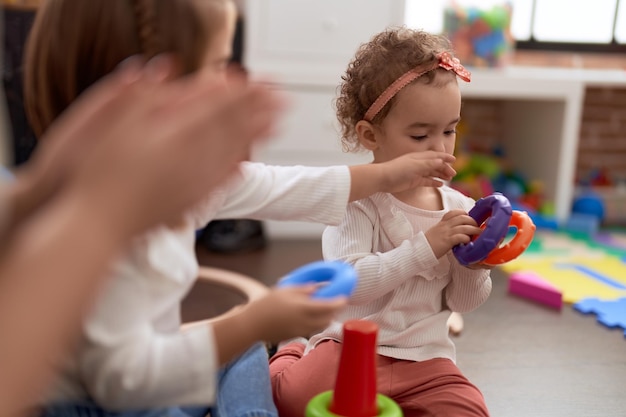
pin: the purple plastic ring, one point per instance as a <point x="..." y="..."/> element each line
<point x="497" y="209"/>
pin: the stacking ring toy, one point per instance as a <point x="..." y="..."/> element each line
<point x="320" y="404"/>
<point x="518" y="244"/>
<point x="339" y="276"/>
<point x="496" y="210"/>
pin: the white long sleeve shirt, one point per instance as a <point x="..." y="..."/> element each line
<point x="402" y="286"/>
<point x="133" y="353"/>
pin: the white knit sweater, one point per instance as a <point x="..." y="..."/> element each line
<point x="402" y="286"/>
<point x="133" y="353"/>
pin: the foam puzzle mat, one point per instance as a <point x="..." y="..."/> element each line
<point x="579" y="266"/>
<point x="612" y="314"/>
<point x="589" y="271"/>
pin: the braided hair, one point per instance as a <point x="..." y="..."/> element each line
<point x="74" y="43"/>
<point x="145" y="18"/>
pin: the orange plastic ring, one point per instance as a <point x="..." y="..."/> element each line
<point x="519" y="242"/>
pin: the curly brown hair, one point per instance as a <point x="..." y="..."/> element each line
<point x="376" y="65"/>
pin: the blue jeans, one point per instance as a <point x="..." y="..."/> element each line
<point x="87" y="409"/>
<point x="244" y="387"/>
<point x="244" y="390"/>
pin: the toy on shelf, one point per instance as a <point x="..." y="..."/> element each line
<point x="355" y="387"/>
<point x="481" y="36"/>
<point x="339" y="278"/>
<point x="587" y="214"/>
<point x="597" y="177"/>
<point x="582" y="223"/>
<point x="495" y="215"/>
<point x="475" y="174"/>
<point x="481" y="173"/>
<point x="589" y="203"/>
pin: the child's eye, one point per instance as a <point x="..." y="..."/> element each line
<point x="450" y="132"/>
<point x="419" y="137"/>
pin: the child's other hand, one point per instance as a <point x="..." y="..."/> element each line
<point x="289" y="312"/>
<point x="455" y="227"/>
<point x="418" y="169"/>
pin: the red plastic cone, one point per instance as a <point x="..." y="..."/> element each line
<point x="355" y="387"/>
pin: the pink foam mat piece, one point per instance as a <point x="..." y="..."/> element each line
<point x="531" y="286"/>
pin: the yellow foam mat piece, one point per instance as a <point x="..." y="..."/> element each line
<point x="570" y="266"/>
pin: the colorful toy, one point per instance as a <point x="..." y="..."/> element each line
<point x="481" y="37"/>
<point x="517" y="245"/>
<point x="529" y="285"/>
<point x="541" y="221"/>
<point x="481" y="172"/>
<point x="495" y="208"/>
<point x="475" y="174"/>
<point x="609" y="313"/>
<point x="582" y="223"/>
<point x="355" y="387"/>
<point x="589" y="203"/>
<point x="578" y="265"/>
<point x="340" y="278"/>
<point x="495" y="215"/>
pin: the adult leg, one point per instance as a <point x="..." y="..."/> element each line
<point x="296" y="379"/>
<point x="89" y="409"/>
<point x="244" y="388"/>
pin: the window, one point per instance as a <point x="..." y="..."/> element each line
<point x="575" y="25"/>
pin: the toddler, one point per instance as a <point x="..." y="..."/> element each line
<point x="133" y="358"/>
<point x="399" y="95"/>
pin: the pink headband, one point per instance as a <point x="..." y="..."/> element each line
<point x="444" y="60"/>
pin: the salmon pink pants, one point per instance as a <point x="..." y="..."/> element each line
<point x="430" y="388"/>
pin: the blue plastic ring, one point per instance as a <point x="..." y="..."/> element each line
<point x="340" y="278"/>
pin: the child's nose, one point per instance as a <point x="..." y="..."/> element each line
<point x="437" y="145"/>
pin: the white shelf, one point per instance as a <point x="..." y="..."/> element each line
<point x="306" y="45"/>
<point x="587" y="76"/>
<point x="542" y="110"/>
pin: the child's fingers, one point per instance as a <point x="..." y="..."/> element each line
<point x="456" y="213"/>
<point x="432" y="182"/>
<point x="472" y="230"/>
<point x="432" y="155"/>
<point x="446" y="171"/>
<point x="444" y="156"/>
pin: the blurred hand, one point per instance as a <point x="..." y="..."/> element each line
<point x="148" y="148"/>
<point x="290" y="312"/>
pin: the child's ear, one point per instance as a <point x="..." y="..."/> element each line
<point x="366" y="133"/>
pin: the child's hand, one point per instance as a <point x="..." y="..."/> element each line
<point x="418" y="169"/>
<point x="455" y="227"/>
<point x="289" y="312"/>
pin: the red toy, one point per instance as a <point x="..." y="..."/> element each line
<point x="522" y="239"/>
<point x="355" y="388"/>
